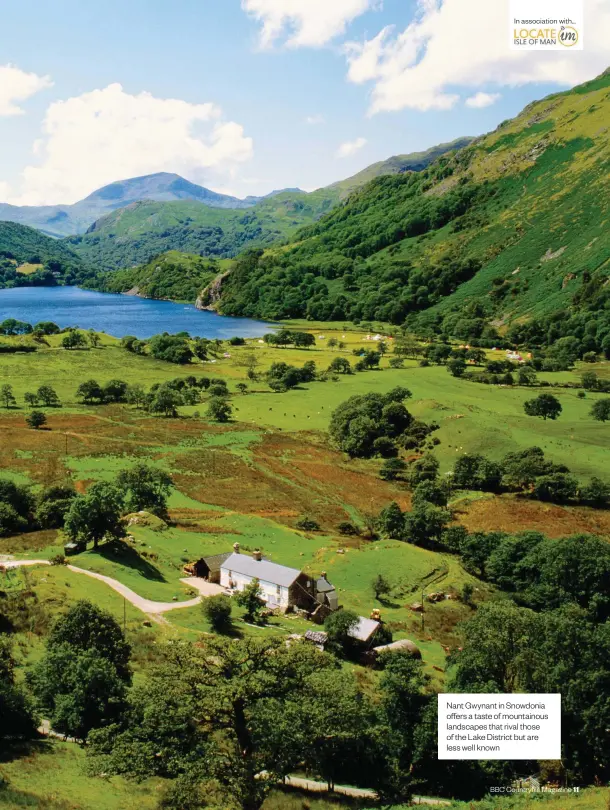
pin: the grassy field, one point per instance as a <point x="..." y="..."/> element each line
<point x="51" y="776"/>
<point x="250" y="481"/>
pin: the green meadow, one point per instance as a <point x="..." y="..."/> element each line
<point x="249" y="481"/>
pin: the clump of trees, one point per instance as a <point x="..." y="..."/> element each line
<point x="530" y="473"/>
<point x="288" y="337"/>
<point x="377" y="425"/>
<point x="96" y="515"/>
<point x="81" y="681"/>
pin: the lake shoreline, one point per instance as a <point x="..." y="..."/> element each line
<point x="119" y="315"/>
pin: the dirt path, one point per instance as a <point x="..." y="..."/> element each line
<point x="152" y="609"/>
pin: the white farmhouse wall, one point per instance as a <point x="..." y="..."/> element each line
<point x="273" y="594"/>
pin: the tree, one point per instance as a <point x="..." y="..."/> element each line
<point x="165" y="401"/>
<point x="36" y="419"/>
<point x="171" y="348"/>
<point x="600" y="410"/>
<point x="546" y="405"/>
<point x="339" y="626"/>
<point x="96" y="514"/>
<point x="424" y="469"/>
<point x="74" y="340"/>
<point x="391" y="521"/>
<point x="30" y="399"/>
<point x="81" y="680"/>
<point x="53" y="506"/>
<point x="392" y="469"/>
<point x="145" y="487"/>
<point x="597" y="493"/>
<point x="340" y="365"/>
<point x="512" y="649"/>
<point x="19" y="721"/>
<point x="93" y="338"/>
<point x="589" y="380"/>
<point x="222" y="713"/>
<point x="476" y="356"/>
<point x="217" y="611"/>
<point x="48" y="396"/>
<point x="380" y="586"/>
<point x="251" y="599"/>
<point x="87" y="627"/>
<point x="456" y="366"/>
<point x="425" y="524"/>
<point x="219" y="409"/>
<point x="358" y="422"/>
<point x="556" y="488"/>
<point x="136" y="395"/>
<point x="473" y="471"/>
<point x="7" y="397"/>
<point x="429" y="492"/>
<point x="89" y="391"/>
<point x="115" y="391"/>
<point x="332" y="343"/>
<point x="242" y="387"/>
<point x="526" y="376"/>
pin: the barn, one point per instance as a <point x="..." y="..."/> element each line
<point x="207" y="567"/>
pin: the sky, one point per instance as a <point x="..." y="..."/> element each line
<point x="248" y="96"/>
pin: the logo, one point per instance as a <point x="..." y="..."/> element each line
<point x="546" y="25"/>
<point x="568" y="36"/>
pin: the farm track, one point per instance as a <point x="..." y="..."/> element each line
<point x="154" y="610"/>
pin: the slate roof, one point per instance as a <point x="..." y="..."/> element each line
<point x="214" y="561"/>
<point x="261" y="569"/>
<point x="324" y="586"/>
<point x="317" y="636"/>
<point x="364" y="629"/>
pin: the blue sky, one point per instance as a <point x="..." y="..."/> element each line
<point x="266" y="93"/>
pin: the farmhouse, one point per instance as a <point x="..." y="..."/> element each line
<point x="282" y="587"/>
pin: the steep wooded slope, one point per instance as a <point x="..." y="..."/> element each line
<point x="512" y="228"/>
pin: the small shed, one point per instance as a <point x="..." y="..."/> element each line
<point x="208" y="567"/>
<point x="317" y="637"/>
<point x="364" y="632"/>
<point x="74" y="548"/>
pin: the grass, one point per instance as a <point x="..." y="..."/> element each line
<point x="251" y="480"/>
<point x="51" y="776"/>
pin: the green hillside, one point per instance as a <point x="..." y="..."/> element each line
<point x="173" y="275"/>
<point x="511" y="231"/>
<point x="47" y="261"/>
<point x="397" y="164"/>
<point x="134" y="234"/>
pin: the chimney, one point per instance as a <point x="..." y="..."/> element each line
<point x="257" y="555"/>
<point x="323" y="574"/>
<point x="236" y="548"/>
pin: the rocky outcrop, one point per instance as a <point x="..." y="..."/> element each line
<point x="209" y="297"/>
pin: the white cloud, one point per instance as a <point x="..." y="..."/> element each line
<point x="480" y="100"/>
<point x="452" y="44"/>
<point x="305" y="23"/>
<point x="350" y="148"/>
<point x="108" y="134"/>
<point x="16" y="85"/>
<point x="5" y="191"/>
<point x="312" y="120"/>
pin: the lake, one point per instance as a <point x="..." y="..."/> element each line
<point x="120" y="315"/>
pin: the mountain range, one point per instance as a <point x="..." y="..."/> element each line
<point x="67" y="220"/>
<point x="70" y="220"/>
